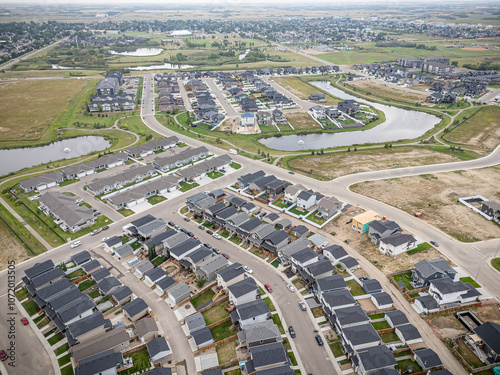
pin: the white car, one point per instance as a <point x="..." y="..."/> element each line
<point x="217" y="236"/>
<point x="105" y="239"/>
<point x="291" y="288"/>
<point x="247" y="269"/>
<point x="76" y="244"/>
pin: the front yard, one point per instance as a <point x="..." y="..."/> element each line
<point x="31" y="307"/>
<point x="125" y="212"/>
<point x="269" y="304"/>
<point x="277" y="321"/>
<point x="215" y="174"/>
<point x="186" y="186"/>
<point x="156" y="199"/>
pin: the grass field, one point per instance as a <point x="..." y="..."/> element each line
<point x="389" y="337"/>
<point x="481" y="129"/>
<point x="356" y="289"/>
<point x="30" y="106"/>
<point x="370" y="87"/>
<point x="135" y="124"/>
<point x="302" y="90"/>
<point x="156" y="199"/>
<point x="302" y="121"/>
<point x="269" y="304"/>
<point x="31" y="307"/>
<point x="496" y="263"/>
<point x="140" y="360"/>
<point x="55" y="339"/>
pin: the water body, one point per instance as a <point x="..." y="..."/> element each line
<point x="399" y="124"/>
<point x="56" y="66"/>
<point x="16" y="159"/>
<point x="140" y="52"/>
<point x="243" y="55"/>
<point x="164" y="66"/>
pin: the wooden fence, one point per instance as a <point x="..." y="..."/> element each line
<point x="227" y="318"/>
<point x="197" y="294"/>
<point x="218" y="343"/>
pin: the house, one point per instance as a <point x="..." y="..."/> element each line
<point x="268" y="356"/>
<point x="259" y="334"/>
<point x="251" y="312"/>
<point x="258" y="234"/>
<point x="348" y="317"/>
<point x="151" y="229"/>
<point x="303" y="258"/>
<point x="59" y="299"/>
<point x="100" y="274"/>
<point x="108" y="86"/>
<point x="408" y="334"/>
<point x="46" y="278"/>
<point x="280" y="370"/>
<point x="75" y="311"/>
<point x="182" y="250"/>
<point x="122" y="294"/>
<point x="106" y="362"/>
<point x="264" y="118"/>
<point x="426" y="304"/>
<point x="426" y="358"/>
<point x="179" y="293"/>
<point x="335" y="253"/>
<point x="194" y="322"/>
<point x="328" y="284"/>
<point x="291" y="193"/>
<point x="135" y="309"/>
<point x="38" y="269"/>
<point x="396" y="318"/>
<point x="42" y="182"/>
<point x="146" y="329"/>
<point x="382" y="300"/>
<point x="243" y="291"/>
<point x="288" y="250"/>
<point x="371" y="286"/>
<point x="158" y="242"/>
<point x="91" y="266"/>
<point x="247" y="119"/>
<point x="197" y="257"/>
<point x="349" y="263"/>
<point x="283" y="224"/>
<point x="317" y="97"/>
<point x="492" y="209"/>
<point x="318" y="241"/>
<point x="349" y="106"/>
<point x="317" y="270"/>
<point x="244" y="180"/>
<point x="230" y="275"/>
<point x="378" y="229"/>
<point x="208" y="269"/>
<point x="327" y="207"/>
<point x="235" y="221"/>
<point x="116" y="339"/>
<point x="306" y="199"/>
<point x="81" y="258"/>
<point x="360" y="337"/>
<point x="123" y="251"/>
<point x="143" y="267"/>
<point x="486" y="341"/>
<point x="317" y="112"/>
<point x="158" y="349"/>
<point x="396" y="244"/>
<point x="299" y="231"/>
<point x="373" y="359"/>
<point x="113" y="242"/>
<point x="336" y="299"/>
<point x="202" y="337"/>
<point x="87" y="328"/>
<point x="360" y="223"/>
<point x="108" y="285"/>
<point x="65" y="209"/>
<point x="427" y="270"/>
<point x="446" y="291"/>
<point x="164" y="284"/>
<point x="275" y="241"/>
<point x="154" y="275"/>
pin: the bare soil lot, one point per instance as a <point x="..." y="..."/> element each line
<point x="383" y="91"/>
<point x="12" y="249"/>
<point x="436" y="197"/>
<point x="363" y="245"/>
<point x="332" y="165"/>
<point x="302" y="121"/>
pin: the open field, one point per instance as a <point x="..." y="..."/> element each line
<point x="301" y="89"/>
<point x="336" y="164"/>
<point x="481" y="129"/>
<point x="51" y="73"/>
<point x="436" y="197"/>
<point x="28" y="107"/>
<point x="371" y="87"/>
<point x="302" y="121"/>
<point x="363" y="245"/>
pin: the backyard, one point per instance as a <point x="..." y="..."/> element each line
<point x="227" y="351"/>
<point x="215" y="313"/>
<point x="203" y="298"/>
<point x="141" y="362"/>
<point x="222" y="331"/>
<point x="356" y="289"/>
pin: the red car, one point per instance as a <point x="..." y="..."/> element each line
<point x="225" y="255"/>
<point x="195" y="237"/>
<point x="3" y="356"/>
<point x="268" y="288"/>
<point x="25" y="321"/>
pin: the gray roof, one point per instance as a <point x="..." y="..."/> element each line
<point x="93" y="264"/>
<point x="159" y="238"/>
<point x="200" y="254"/>
<point x="280" y="370"/>
<point x="362" y="334"/>
<point x="388" y="371"/>
<point x="428" y="357"/>
<point x="371" y="285"/>
<point x="65" y="207"/>
<point x="349" y="262"/>
<point x="86" y="324"/>
<point x="331" y="282"/>
<point x="439" y="372"/>
<point x="160" y="371"/>
<point x="261" y="331"/>
<point x="195" y="321"/>
<point x="165" y="283"/>
<point x="338" y="298"/>
<point x="115" y="240"/>
<point x="320" y="267"/>
<point x="213" y="264"/>
<point x="175" y="240"/>
<point x="382" y="226"/>
<point x="301" y="229"/>
<point x="243" y="287"/>
<point x="397" y="317"/>
<point x="81" y="257"/>
<point x="99" y="362"/>
<point x="54" y="288"/>
<point x="179" y="290"/>
<point x="124" y="250"/>
<point x="46" y="277"/>
<point x="100" y="274"/>
<point x="428" y="302"/>
<point x="108" y="283"/>
<point x="295" y="246"/>
<point x="446" y="285"/>
<point x="336" y="251"/>
<point x="284" y="222"/>
<point x="382" y="298"/>
<point x="74" y="309"/>
<point x="122" y="293"/>
<point x="277" y="237"/>
<point x="135" y="306"/>
<point x="157" y="345"/>
<point x="202" y="335"/>
<point x="376" y="357"/>
<point x="317" y="239"/>
<point x="101" y="343"/>
<point x="152" y="226"/>
<point x="408" y="331"/>
<point x="39" y="268"/>
<point x="252" y="309"/>
<point x="250" y="225"/>
<point x="490" y="334"/>
<point x="216" y="207"/>
<point x="350" y="315"/>
<point x="265" y="355"/>
<point x="146" y="325"/>
<point x="143" y="266"/>
<point x="231" y="271"/>
<point x="305" y="255"/>
<point x="182" y="248"/>
<point x="272" y="217"/>
<point x="155" y="273"/>
<point x="142" y="220"/>
<point x="65" y="298"/>
<point x="428" y="267"/>
<point x="398" y="239"/>
<point x="216" y="371"/>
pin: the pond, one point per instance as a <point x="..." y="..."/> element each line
<point x="164" y="66"/>
<point x="16" y="159"/>
<point x="139" y="52"/>
<point x="399" y="124"/>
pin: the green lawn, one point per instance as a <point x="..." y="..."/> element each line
<point x="225" y="234"/>
<point x="215" y="174"/>
<point x="22" y="294"/>
<point x="76" y="274"/>
<point x="141" y="362"/>
<point x="60" y="350"/>
<point x="235" y="165"/>
<point x="277" y="321"/>
<point x="406" y="280"/>
<point x="214" y="314"/>
<point x="222" y="331"/>
<point x="292" y="358"/>
<point x="312" y="217"/>
<point x="203" y="298"/>
<point x="86" y="284"/>
<point x="280" y="203"/>
<point x="55" y="339"/>
<point x="47" y="334"/>
<point x="68" y="370"/>
<point x="376" y="316"/>
<point x="31" y="307"/>
<point x="186" y="186"/>
<point x="317" y="312"/>
<point x="234" y="239"/>
<point x="43" y="322"/>
<point x="299" y="283"/>
<point x="227" y="351"/>
<point x="269" y="304"/>
<point x="496" y="263"/>
<point x="38" y="318"/>
<point x="297" y="212"/>
<point x="421" y="247"/>
<point x="125" y="212"/>
<point x="337" y="349"/>
<point x="94" y="294"/>
<point x="404" y="363"/>
<point x="356" y="289"/>
<point x="275" y="263"/>
<point x="158" y="261"/>
<point x="380" y="325"/>
<point x="470" y="281"/>
<point x="64" y="360"/>
<point x="156" y="199"/>
<point x="389" y="337"/>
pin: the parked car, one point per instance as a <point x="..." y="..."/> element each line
<point x="177" y="227"/>
<point x="201" y="227"/>
<point x="104" y="239"/>
<point x="97" y="213"/>
<point x="190" y="234"/>
<point x="187" y="219"/>
<point x="434" y="243"/>
<point x="217" y="236"/>
<point x="257" y="213"/>
<point x="225" y="255"/>
<point x="210" y="232"/>
<point x="76" y="244"/>
<point x="25" y="321"/>
<point x="268" y="288"/>
<point x="171" y="224"/>
<point x="291" y="172"/>
<point x="3" y="356"/>
<point x="263" y="214"/>
<point x="319" y="340"/>
<point x="183" y="230"/>
<point x="207" y="245"/>
<point x="94" y="232"/>
<point x="247" y="269"/>
<point x="215" y="250"/>
<point x="105" y="227"/>
<point x="302" y="306"/>
<point x="292" y="332"/>
<point x="291" y="288"/>
<point x="196" y="238"/>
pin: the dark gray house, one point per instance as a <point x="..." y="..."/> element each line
<point x="378" y="229"/>
<point x="427" y="270"/>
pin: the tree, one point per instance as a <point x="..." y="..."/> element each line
<point x="454" y="63"/>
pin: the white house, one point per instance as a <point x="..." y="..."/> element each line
<point x="243" y="291"/>
<point x="408" y="334"/>
<point x="382" y="300"/>
<point x="292" y="191"/>
<point x="251" y="313"/>
<point x="446" y="291"/>
<point x="397" y="244"/>
<point x="158" y="348"/>
<point x="306" y="200"/>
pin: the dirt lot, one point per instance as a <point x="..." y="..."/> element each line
<point x="379" y="89"/>
<point x="302" y="89"/>
<point x="449" y="326"/>
<point x="362" y="244"/>
<point x="302" y="121"/>
<point x="12" y="249"/>
<point x="332" y="165"/>
<point x="436" y="197"/>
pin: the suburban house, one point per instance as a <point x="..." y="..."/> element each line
<point x="360" y="223"/>
<point x="329" y="284"/>
<point x="335" y="253"/>
<point x="260" y="333"/>
<point x="492" y="209"/>
<point x="108" y="285"/>
<point x="336" y="299"/>
<point x="327" y="207"/>
<point x="258" y="234"/>
<point x="374" y="359"/>
<point x="382" y="300"/>
<point x="349" y="263"/>
<point x="146" y="329"/>
<point x="287" y="251"/>
<point x="154" y="275"/>
<point x="371" y="286"/>
<point x="306" y="200"/>
<point x="123" y="251"/>
<point x="250" y="313"/>
<point x="108" y="86"/>
<point x="446" y="291"/>
<point x="426" y="304"/>
<point x="116" y="339"/>
<point x="182" y="250"/>
<point x="317" y="270"/>
<point x="247" y="119"/>
<point x="194" y="322"/>
<point x="427" y="359"/>
<point x="179" y="293"/>
<point x="299" y="231"/>
<point x="202" y="337"/>
<point x="158" y="349"/>
<point x="348" y="317"/>
<point x="164" y="284"/>
<point x="378" y="229"/>
<point x="276" y="240"/>
<point x="485" y="342"/>
<point x="243" y="291"/>
<point x="65" y="209"/>
<point x="208" y="268"/>
<point x="106" y="362"/>
<point x="233" y="273"/>
<point x="408" y="334"/>
<point x="303" y="258"/>
<point x="427" y="270"/>
<point x="318" y="241"/>
<point x="291" y="193"/>
<point x="135" y="309"/>
<point x="396" y="244"/>
<point x="266" y="357"/>
<point x="197" y="257"/>
<point x="244" y="180"/>
<point x="42" y="182"/>
<point x="122" y="294"/>
<point x="396" y="318"/>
